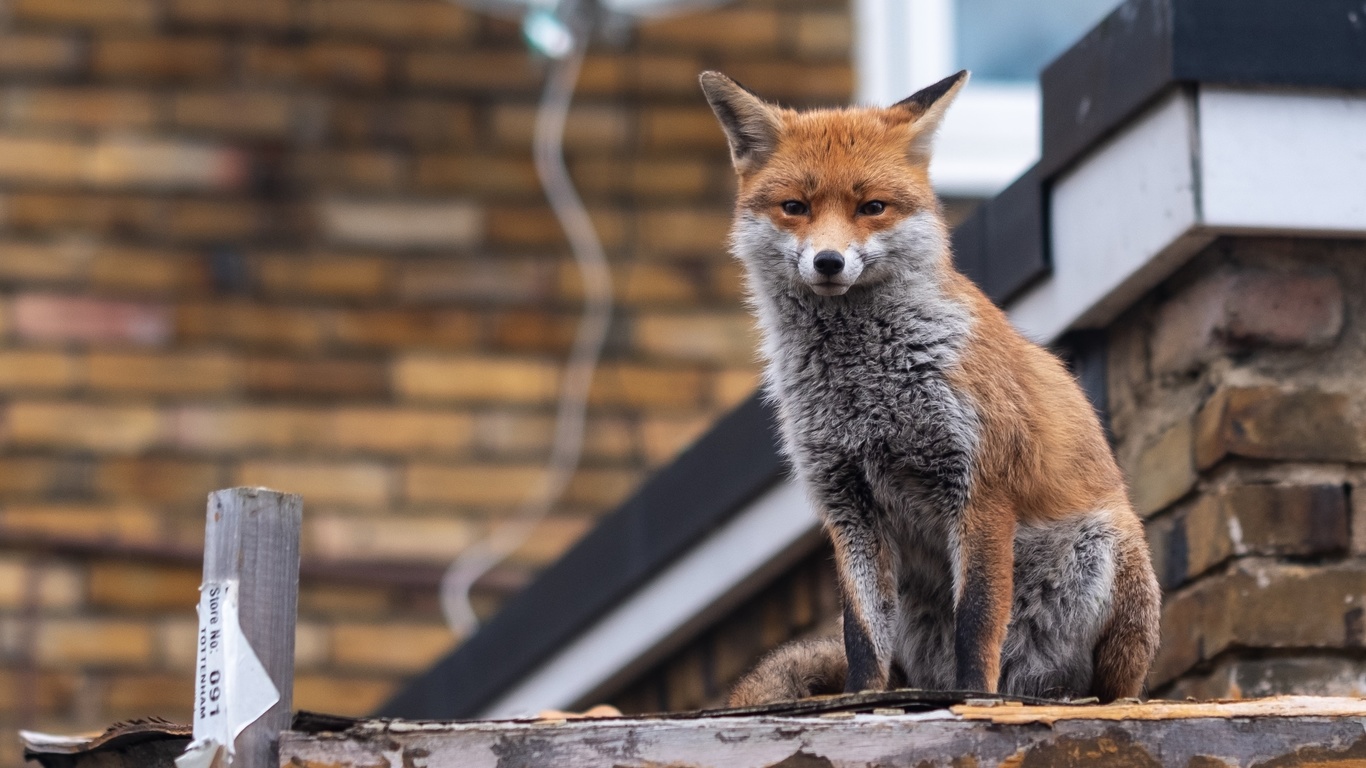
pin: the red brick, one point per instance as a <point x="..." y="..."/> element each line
<point x="52" y="318"/>
<point x="159" y="58"/>
<point x="84" y="13"/>
<point x="1242" y="310"/>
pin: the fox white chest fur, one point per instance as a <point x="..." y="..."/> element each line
<point x="966" y="560"/>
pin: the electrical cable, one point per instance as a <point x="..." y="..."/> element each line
<point x="589" y="339"/>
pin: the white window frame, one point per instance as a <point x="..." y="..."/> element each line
<point x="990" y="136"/>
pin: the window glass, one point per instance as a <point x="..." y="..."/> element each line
<point x="1016" y="39"/>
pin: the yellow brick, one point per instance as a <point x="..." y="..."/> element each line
<point x="92" y="13"/>
<point x="476" y="173"/>
<point x="68" y="642"/>
<point x="343" y="64"/>
<point x="143" y="270"/>
<point x="639" y="386"/>
<point x="678" y="128"/>
<point x="62" y="260"/>
<point x="36" y="370"/>
<point x="391" y="647"/>
<point x="31" y="53"/>
<point x="487" y="70"/>
<point x="142" y="694"/>
<point x="55" y="584"/>
<point x="254" y="324"/>
<point x="552" y="537"/>
<point x="665" y="437"/>
<point x="312" y="645"/>
<point x="685" y="231"/>
<point x="131" y="585"/>
<point x="118" y="523"/>
<point x="102" y="108"/>
<point x="600" y="489"/>
<point x="161" y="58"/>
<point x="213" y="220"/>
<point x="254" y="113"/>
<point x="406" y="431"/>
<point x="173" y="374"/>
<point x="824" y="34"/>
<point x="41" y="159"/>
<point x="610" y="438"/>
<point x="353" y="696"/>
<point x="722" y="338"/>
<point x="390" y="539"/>
<point x="486" y="484"/>
<point x="230" y="429"/>
<point x="588" y="127"/>
<point x="476" y="379"/>
<point x="744" y="29"/>
<point x="352" y="483"/>
<point x="644" y="283"/>
<point x="112" y="428"/>
<point x="322" y="599"/>
<point x="404" y="20"/>
<point x="248" y="13"/>
<point x="176" y="641"/>
<point x="163" y="480"/>
<point x="731" y="387"/>
<point x="340" y="277"/>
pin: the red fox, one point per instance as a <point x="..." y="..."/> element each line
<point x="982" y="531"/>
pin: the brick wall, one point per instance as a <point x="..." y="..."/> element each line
<point x="1240" y="413"/>
<point x="300" y="243"/>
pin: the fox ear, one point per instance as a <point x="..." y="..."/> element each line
<point x="751" y="125"/>
<point x="926" y="109"/>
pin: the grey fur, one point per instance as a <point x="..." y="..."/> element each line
<point x="885" y="448"/>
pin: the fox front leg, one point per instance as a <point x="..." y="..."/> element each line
<point x="869" y="604"/>
<point x="982" y="599"/>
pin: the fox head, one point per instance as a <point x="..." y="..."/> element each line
<point x="834" y="199"/>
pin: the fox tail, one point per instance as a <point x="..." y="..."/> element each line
<point x="794" y="671"/>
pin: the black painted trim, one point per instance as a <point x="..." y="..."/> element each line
<point x="1138" y="53"/>
<point x="727" y="468"/>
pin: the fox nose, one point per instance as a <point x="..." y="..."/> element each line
<point x="829" y="263"/>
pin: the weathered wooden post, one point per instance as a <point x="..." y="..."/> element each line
<point x="248" y="604"/>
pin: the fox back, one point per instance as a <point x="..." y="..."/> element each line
<point x="981" y="528"/>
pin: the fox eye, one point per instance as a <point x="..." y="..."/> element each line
<point x="795" y="208"/>
<point x="872" y="208"/>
